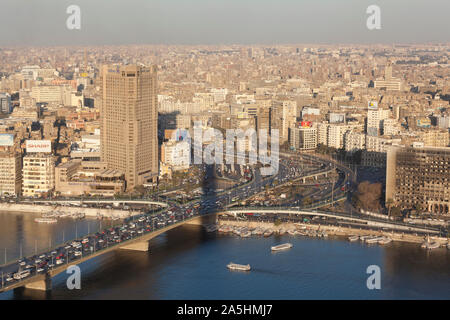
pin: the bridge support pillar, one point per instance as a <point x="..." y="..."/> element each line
<point x="41" y="285"/>
<point x="137" y="246"/>
<point x="204" y="220"/>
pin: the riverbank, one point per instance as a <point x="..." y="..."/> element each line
<point x="333" y="230"/>
<point x="88" y="212"/>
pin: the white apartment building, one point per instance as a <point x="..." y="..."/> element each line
<point x="354" y="141"/>
<point x="10" y="173"/>
<point x="176" y="154"/>
<point x="303" y="138"/>
<point x="374" y="120"/>
<point x="48" y="94"/>
<point x="38" y="174"/>
<point x="336" y="133"/>
<point x="322" y="133"/>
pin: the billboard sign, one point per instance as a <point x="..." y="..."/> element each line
<point x="305" y="124"/>
<point x="373" y="105"/>
<point x="6" y="139"/>
<point x="39" y="146"/>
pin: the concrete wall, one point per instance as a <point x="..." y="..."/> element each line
<point x="89" y="212"/>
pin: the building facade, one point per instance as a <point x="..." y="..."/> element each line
<point x="419" y="177"/>
<point x="303" y="138"/>
<point x="10" y="173"/>
<point x="38" y="174"/>
<point x="129" y="122"/>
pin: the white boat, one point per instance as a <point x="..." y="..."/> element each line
<point x="428" y="244"/>
<point x="292" y="232"/>
<point x="373" y="239"/>
<point x="245" y="233"/>
<point x="363" y="238"/>
<point x="353" y="238"/>
<point x="268" y="233"/>
<point x="385" y="240"/>
<point x="281" y="231"/>
<point x="45" y="220"/>
<point x="258" y="231"/>
<point x="240" y="267"/>
<point x="280" y="247"/>
<point x="433" y="245"/>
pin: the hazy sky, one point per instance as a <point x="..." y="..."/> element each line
<point x="43" y="22"/>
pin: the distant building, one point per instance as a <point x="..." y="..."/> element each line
<point x="5" y="103"/>
<point x="419" y="177"/>
<point x="389" y="82"/>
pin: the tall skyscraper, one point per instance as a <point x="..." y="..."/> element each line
<point x="129" y="122"/>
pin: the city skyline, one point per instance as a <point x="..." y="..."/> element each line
<point x="208" y="135"/>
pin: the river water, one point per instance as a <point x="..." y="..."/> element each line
<point x="187" y="263"/>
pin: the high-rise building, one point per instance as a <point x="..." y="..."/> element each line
<point x="374" y="120"/>
<point x="5" y="103"/>
<point x="419" y="177"/>
<point x="10" y="173"/>
<point x="129" y="122"/>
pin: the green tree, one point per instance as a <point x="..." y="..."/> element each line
<point x="396" y="211"/>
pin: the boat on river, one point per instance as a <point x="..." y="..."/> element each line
<point x="45" y="220"/>
<point x="239" y="267"/>
<point x="281" y="247"/>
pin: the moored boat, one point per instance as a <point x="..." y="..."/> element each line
<point x="353" y="238"/>
<point x="45" y="220"/>
<point x="373" y="239"/>
<point x="385" y="240"/>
